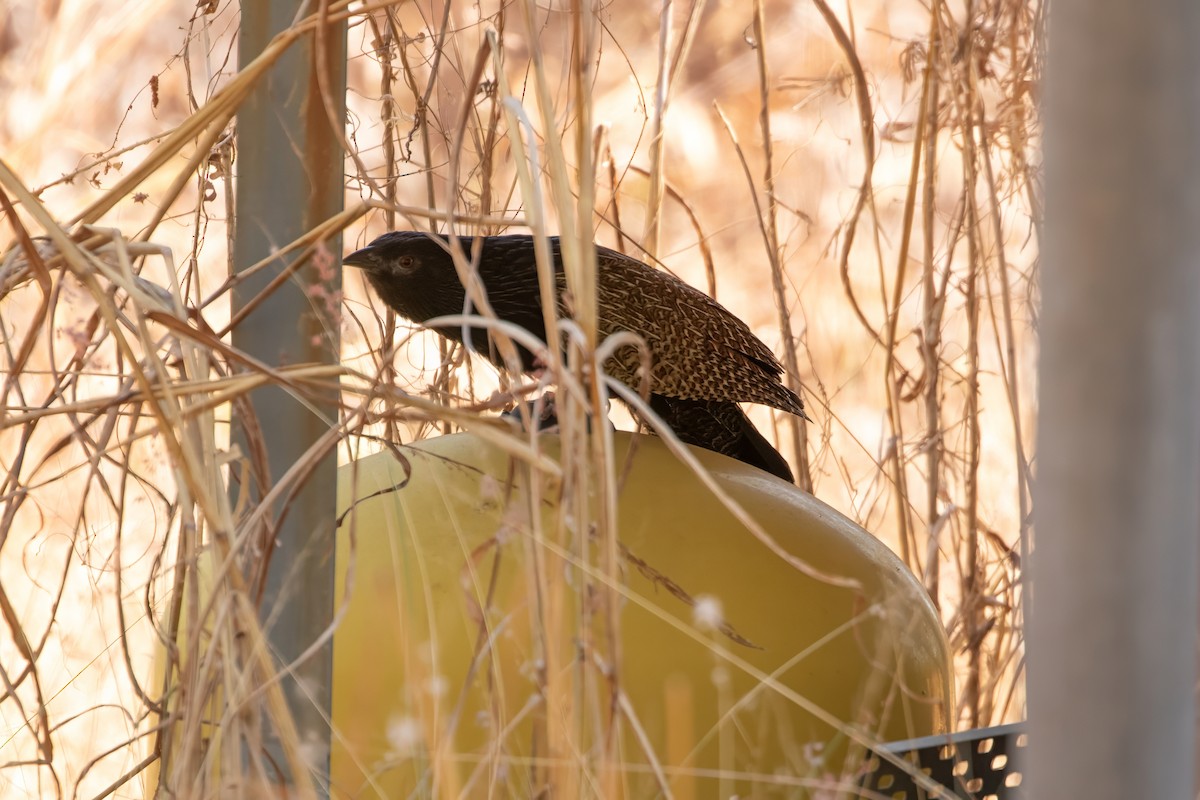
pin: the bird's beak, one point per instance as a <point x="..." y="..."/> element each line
<point x="364" y="258"/>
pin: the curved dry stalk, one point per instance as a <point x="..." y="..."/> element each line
<point x="867" y="117"/>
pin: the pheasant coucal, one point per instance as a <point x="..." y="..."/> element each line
<point x="704" y="360"/>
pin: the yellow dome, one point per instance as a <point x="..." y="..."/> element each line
<point x="732" y="661"/>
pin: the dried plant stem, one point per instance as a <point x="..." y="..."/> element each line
<point x="384" y="34"/>
<point x="1008" y="356"/>
<point x="933" y="304"/>
<point x="769" y="228"/>
<point x="866" y="196"/>
<point x="661" y="94"/>
<point x="972" y="567"/>
<point x="190" y="465"/>
<point x="601" y="496"/>
<point x="893" y="380"/>
<point x="862" y="93"/>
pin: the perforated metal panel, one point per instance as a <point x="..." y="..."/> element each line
<point x="980" y="764"/>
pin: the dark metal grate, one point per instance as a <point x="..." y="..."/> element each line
<point x="980" y="764"/>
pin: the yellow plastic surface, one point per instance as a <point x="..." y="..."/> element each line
<point x="410" y="711"/>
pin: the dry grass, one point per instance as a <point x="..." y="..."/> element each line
<point x="861" y="188"/>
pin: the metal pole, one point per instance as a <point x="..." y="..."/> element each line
<point x="289" y="179"/>
<point x="1112" y="640"/>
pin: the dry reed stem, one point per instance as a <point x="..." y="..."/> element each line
<point x="932" y="304"/>
<point x="799" y="433"/>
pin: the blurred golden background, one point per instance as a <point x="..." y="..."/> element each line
<point x="906" y="246"/>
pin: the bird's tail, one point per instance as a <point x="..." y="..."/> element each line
<point x="721" y="426"/>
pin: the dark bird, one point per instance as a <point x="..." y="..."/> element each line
<point x="704" y="360"/>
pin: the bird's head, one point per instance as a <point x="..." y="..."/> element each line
<point x="400" y="254"/>
<point x="411" y="272"/>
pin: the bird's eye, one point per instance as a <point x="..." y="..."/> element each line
<point x="406" y="263"/>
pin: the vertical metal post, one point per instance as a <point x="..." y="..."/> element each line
<point x="289" y="179"/>
<point x="1113" y="619"/>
